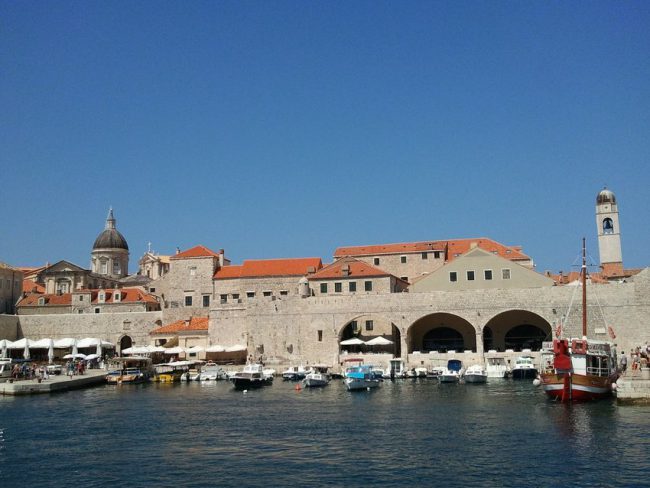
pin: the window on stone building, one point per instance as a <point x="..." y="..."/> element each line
<point x="104" y="267"/>
<point x="116" y="268"/>
<point x="80" y="311"/>
<point x="376" y="261"/>
<point x="402" y="259"/>
<point x="206" y="300"/>
<point x="369" y="324"/>
<point x="425" y="255"/>
<point x="193" y="271"/>
<point x="97" y="310"/>
<point x="470" y="276"/>
<point x="188" y="301"/>
<point x="355" y="327"/>
<point x="323" y="287"/>
<point x="352" y="286"/>
<point x="487" y="274"/>
<point x="505" y="274"/>
<point x="338" y="287"/>
<point x="320" y="336"/>
<point x="404" y="278"/>
<point x="235" y="296"/>
<point x="266" y="293"/>
<point x="608" y="226"/>
<point x="368" y="285"/>
<point x="436" y="254"/>
<point x="250" y="294"/>
<point x="152" y="290"/>
<point x="284" y="293"/>
<point x="453" y="276"/>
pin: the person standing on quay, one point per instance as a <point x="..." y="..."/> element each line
<point x="623" y="363"/>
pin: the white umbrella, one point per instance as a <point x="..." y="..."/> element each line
<point x="74" y="356"/>
<point x="74" y="347"/>
<point x="92" y="356"/>
<point x="4" y="343"/>
<point x="26" y="350"/>
<point x="175" y="350"/>
<point x="352" y="342"/>
<point x="379" y="341"/>
<point x="215" y="348"/>
<point x="236" y="348"/>
<point x="88" y="342"/>
<point x="50" y="352"/>
<point x="98" y="351"/>
<point x="19" y="344"/>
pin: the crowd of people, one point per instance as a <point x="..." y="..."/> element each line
<point x="639" y="358"/>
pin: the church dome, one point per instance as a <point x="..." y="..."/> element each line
<point x="605" y="196"/>
<point x="110" y="237"/>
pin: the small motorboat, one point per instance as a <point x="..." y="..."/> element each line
<point x="360" y="378"/>
<point x="295" y="373"/>
<point x="524" y="369"/>
<point x="453" y="372"/>
<point x="475" y="374"/>
<point x="252" y="376"/>
<point x="318" y="377"/>
<point x="497" y="368"/>
<point x="397" y="369"/>
<point x="211" y="372"/>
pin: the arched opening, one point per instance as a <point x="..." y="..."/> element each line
<point x="608" y="226"/>
<point x="441" y="332"/>
<point x="125" y="343"/>
<point x="516" y="330"/>
<point x="366" y="328"/>
<point x="443" y="339"/>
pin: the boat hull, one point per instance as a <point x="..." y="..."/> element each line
<point x="249" y="383"/>
<point x="361" y="383"/>
<point x="567" y="387"/>
<point x="524" y="374"/>
<point x="475" y="378"/>
<point x="449" y="378"/>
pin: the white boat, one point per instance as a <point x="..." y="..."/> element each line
<point x="211" y="372"/>
<point x="475" y="374"/>
<point x="397" y="369"/>
<point x="360" y="377"/>
<point x="497" y="368"/>
<point x="453" y="372"/>
<point x="318" y="377"/>
<point x="524" y="369"/>
<point x="295" y="373"/>
<point x="436" y="371"/>
<point x="252" y="376"/>
<point x="6" y="369"/>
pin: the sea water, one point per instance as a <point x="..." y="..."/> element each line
<point x="407" y="432"/>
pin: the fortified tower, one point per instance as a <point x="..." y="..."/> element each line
<point x="110" y="254"/>
<point x="609" y="234"/>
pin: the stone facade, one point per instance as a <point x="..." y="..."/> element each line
<point x="11" y="286"/>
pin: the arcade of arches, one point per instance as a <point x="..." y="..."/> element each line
<point x="369" y="326"/>
<point x="442" y="332"/>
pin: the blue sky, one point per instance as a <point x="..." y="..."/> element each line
<point x="287" y="129"/>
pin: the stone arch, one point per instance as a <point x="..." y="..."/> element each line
<point x="125" y="342"/>
<point x="516" y="330"/>
<point x="368" y="326"/>
<point x="441" y="332"/>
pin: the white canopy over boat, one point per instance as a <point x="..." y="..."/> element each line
<point x="379" y="341"/>
<point x="215" y="348"/>
<point x="236" y="348"/>
<point x="352" y="342"/>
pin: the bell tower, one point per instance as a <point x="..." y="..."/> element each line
<point x="609" y="234"/>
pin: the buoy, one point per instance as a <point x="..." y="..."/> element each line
<point x="368" y="388"/>
<point x="245" y="391"/>
<point x="536" y="382"/>
<point x="298" y="387"/>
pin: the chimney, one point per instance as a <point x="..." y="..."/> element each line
<point x="178" y="250"/>
<point x="311" y="270"/>
<point x="345" y="270"/>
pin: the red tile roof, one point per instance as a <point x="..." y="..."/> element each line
<point x="30" y="286"/>
<point x="358" y="269"/>
<point x="257" y="268"/>
<point x="195" y="323"/>
<point x="195" y="252"/>
<point x="129" y="295"/>
<point x="452" y="248"/>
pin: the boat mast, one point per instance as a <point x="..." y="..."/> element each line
<point x="584" y="289"/>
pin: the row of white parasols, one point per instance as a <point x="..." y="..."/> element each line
<point x="181" y="350"/>
<point x="50" y="344"/>
<point x="377" y="341"/>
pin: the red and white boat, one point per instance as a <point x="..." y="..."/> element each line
<point x="576" y="370"/>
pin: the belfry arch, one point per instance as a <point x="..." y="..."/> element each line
<point x="516" y="330"/>
<point x="441" y="332"/>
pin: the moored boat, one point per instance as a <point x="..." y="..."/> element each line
<point x="171" y="372"/>
<point x="397" y="369"/>
<point x="581" y="369"/>
<point x="524" y="368"/>
<point x="497" y="368"/>
<point x="295" y="373"/>
<point x="361" y="377"/>
<point x="475" y="374"/>
<point x="252" y="376"/>
<point x="211" y="372"/>
<point x="132" y="369"/>
<point x="453" y="372"/>
<point x="318" y="377"/>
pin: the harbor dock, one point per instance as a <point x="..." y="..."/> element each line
<point x="54" y="383"/>
<point x="634" y="389"/>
